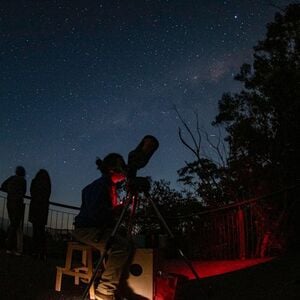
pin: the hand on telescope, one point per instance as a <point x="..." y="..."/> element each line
<point x="139" y="185"/>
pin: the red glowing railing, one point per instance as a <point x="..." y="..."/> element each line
<point x="249" y="229"/>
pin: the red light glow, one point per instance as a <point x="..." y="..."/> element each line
<point x="210" y="268"/>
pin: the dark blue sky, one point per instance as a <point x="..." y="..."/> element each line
<point x="80" y="79"/>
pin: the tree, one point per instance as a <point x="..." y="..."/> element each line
<point x="172" y="206"/>
<point x="170" y="203"/>
<point x="204" y="176"/>
<point x="262" y="120"/>
<point x="261" y="123"/>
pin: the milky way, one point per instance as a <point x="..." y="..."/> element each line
<point x="80" y="79"/>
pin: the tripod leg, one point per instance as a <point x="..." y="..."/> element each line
<point x="186" y="260"/>
<point x="108" y="244"/>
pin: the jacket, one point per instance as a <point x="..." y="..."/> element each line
<point x="40" y="191"/>
<point x="15" y="187"/>
<point x="96" y="208"/>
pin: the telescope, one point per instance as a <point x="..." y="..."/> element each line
<point x="137" y="159"/>
<point x="140" y="156"/>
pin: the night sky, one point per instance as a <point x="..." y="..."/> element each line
<point x="80" y="79"/>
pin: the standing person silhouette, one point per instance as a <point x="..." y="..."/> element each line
<point x="96" y="219"/>
<point x="15" y="187"/>
<point x="40" y="190"/>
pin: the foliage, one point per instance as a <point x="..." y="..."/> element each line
<point x="205" y="178"/>
<point x="261" y="122"/>
<point x="171" y="205"/>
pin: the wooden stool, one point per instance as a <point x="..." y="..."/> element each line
<point x="84" y="272"/>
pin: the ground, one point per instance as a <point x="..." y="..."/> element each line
<point x="26" y="278"/>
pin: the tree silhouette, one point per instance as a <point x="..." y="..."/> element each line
<point x="171" y="204"/>
<point x="261" y="122"/>
<point x="205" y="178"/>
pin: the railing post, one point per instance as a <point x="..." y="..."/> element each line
<point x="241" y="233"/>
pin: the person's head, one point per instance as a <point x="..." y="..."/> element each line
<point x="20" y="171"/>
<point x="112" y="165"/>
<point x="42" y="174"/>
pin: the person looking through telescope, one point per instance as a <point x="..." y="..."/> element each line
<point x="96" y="219"/>
<point x="95" y="224"/>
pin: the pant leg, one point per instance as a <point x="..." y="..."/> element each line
<point x="34" y="245"/>
<point x="19" y="246"/>
<point x="13" y="229"/>
<point x="42" y="240"/>
<point x="39" y="239"/>
<point x="115" y="264"/>
<point x="15" y="217"/>
<point x="117" y="256"/>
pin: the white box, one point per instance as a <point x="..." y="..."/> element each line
<point x="141" y="273"/>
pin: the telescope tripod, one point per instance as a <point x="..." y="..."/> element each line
<point x="132" y="199"/>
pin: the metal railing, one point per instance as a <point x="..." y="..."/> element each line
<point x="249" y="229"/>
<point x="60" y="218"/>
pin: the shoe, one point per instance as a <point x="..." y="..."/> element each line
<point x="8" y="252"/>
<point x="17" y="253"/>
<point x="100" y="296"/>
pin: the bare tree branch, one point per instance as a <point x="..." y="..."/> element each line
<point x="196" y="151"/>
<point x="186" y="144"/>
<point x="201" y="174"/>
<point x="216" y="148"/>
<point x="198" y="130"/>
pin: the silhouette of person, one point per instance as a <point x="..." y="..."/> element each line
<point x="40" y="190"/>
<point x="96" y="219"/>
<point x="15" y="186"/>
